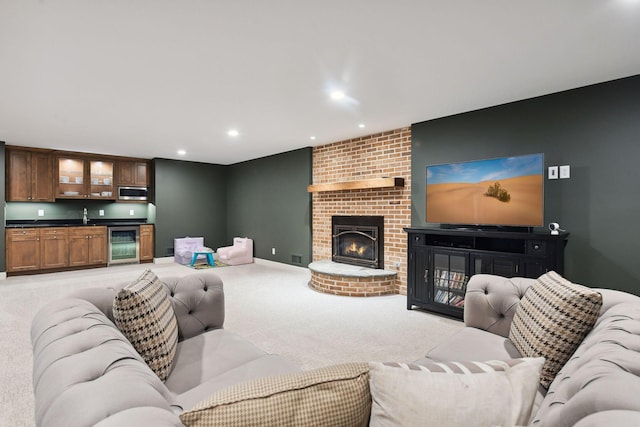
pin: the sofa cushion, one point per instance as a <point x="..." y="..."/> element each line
<point x="333" y="396"/>
<point x="264" y="366"/>
<point x="143" y="312"/>
<point x="454" y="393"/>
<point x="208" y="355"/>
<point x="551" y="321"/>
<point x="474" y="344"/>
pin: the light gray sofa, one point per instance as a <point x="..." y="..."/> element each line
<point x="598" y="386"/>
<point x="85" y="372"/>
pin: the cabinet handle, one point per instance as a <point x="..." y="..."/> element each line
<point x="426" y="274"/>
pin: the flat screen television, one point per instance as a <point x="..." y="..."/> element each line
<point x="502" y="192"/>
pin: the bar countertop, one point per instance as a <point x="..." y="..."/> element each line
<point x="74" y="223"/>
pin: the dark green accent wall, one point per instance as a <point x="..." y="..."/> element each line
<point x="595" y="130"/>
<point x="190" y="200"/>
<point x="3" y="266"/>
<point x="268" y="201"/>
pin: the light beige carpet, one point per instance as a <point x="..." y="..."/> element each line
<point x="268" y="303"/>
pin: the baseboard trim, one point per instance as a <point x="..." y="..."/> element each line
<point x="164" y="260"/>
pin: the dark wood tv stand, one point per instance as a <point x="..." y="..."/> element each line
<point x="441" y="261"/>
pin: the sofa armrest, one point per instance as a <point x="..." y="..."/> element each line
<point x="198" y="302"/>
<point x="85" y="370"/>
<point x="491" y="301"/>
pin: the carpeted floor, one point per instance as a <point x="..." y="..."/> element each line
<point x="268" y="303"/>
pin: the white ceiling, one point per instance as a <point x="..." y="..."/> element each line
<point x="145" y="78"/>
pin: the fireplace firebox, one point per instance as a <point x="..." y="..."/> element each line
<point x="358" y="240"/>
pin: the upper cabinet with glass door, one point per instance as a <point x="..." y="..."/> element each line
<point x="101" y="175"/>
<point x="84" y="178"/>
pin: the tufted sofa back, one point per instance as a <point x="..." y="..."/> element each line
<point x="600" y="383"/>
<point x="197" y="300"/>
<point x="491" y="301"/>
<point x="79" y="355"/>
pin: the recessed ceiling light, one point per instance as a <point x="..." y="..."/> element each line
<point x="233" y="132"/>
<point x="312" y="138"/>
<point x="361" y="125"/>
<point x="182" y="152"/>
<point x="337" y="95"/>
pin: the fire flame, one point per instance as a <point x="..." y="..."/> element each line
<point x="353" y="248"/>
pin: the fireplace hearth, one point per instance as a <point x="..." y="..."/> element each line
<point x="358" y="240"/>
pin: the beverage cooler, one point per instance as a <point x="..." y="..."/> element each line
<point x="124" y="245"/>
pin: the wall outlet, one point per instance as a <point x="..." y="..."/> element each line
<point x="131" y="212"/>
<point x="273" y="251"/>
<point x="101" y="212"/>
<point x="40" y="212"/>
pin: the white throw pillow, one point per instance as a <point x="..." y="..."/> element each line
<point x="493" y="393"/>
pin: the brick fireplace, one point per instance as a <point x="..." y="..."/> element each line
<point x="358" y="240"/>
<point x="382" y="155"/>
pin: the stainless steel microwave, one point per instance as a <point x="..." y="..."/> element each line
<point x="133" y="193"/>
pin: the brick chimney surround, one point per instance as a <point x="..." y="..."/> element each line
<point x="355" y="165"/>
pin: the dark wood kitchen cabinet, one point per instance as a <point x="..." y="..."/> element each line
<point x="29" y="175"/>
<point x="23" y="249"/>
<point x="54" y="247"/>
<point x="146" y="242"/>
<point x="30" y="249"/>
<point x="84" y="178"/>
<point x="133" y="172"/>
<point x="87" y="246"/>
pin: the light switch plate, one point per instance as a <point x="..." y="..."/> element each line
<point x="40" y="212"/>
<point x="553" y="172"/>
<point x="131" y="212"/>
<point x="565" y="172"/>
<point x="101" y="212"/>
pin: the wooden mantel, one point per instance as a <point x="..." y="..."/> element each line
<point x="394" y="183"/>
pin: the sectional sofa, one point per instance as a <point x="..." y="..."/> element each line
<point x="600" y="383"/>
<point x="87" y="373"/>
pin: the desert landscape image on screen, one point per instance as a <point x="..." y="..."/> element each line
<point x="506" y="191"/>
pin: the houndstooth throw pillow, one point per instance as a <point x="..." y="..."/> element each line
<point x="334" y="396"/>
<point x="552" y="319"/>
<point x="143" y="313"/>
